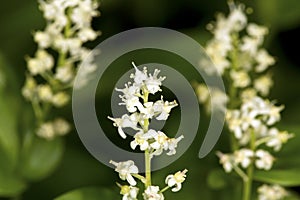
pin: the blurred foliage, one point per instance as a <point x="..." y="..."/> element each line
<point x="37" y="169"/>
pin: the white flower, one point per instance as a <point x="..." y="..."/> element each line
<point x="129" y="192"/>
<point x="162" y="109"/>
<point x="29" y="89"/>
<point x="43" y="39"/>
<point x="87" y="34"/>
<point x="153" y="83"/>
<point x="160" y="143"/>
<point x="217" y="51"/>
<point x="142" y="139"/>
<point x="46" y="130"/>
<point x="125" y="121"/>
<point x="172" y="145"/>
<point x="67" y="44"/>
<point x="61" y="126"/>
<point x="176" y="180"/>
<point x="130" y="97"/>
<point x="237" y="19"/>
<point x="202" y="93"/>
<point x="234" y="122"/>
<point x="264" y="60"/>
<point x="227" y="161"/>
<point x="45" y="93"/>
<point x="277" y="138"/>
<point x="64" y="73"/>
<point x="83" y="13"/>
<point x="125" y="169"/>
<point x="41" y="63"/>
<point x="271" y="192"/>
<point x="274" y="113"/>
<point x="257" y="31"/>
<point x="240" y="79"/>
<point x="248" y="93"/>
<point x="243" y="157"/>
<point x="264" y="160"/>
<point x="60" y="99"/>
<point x="263" y="84"/>
<point x="250" y="45"/>
<point x="152" y="193"/>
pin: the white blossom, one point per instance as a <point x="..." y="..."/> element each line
<point x="42" y="62"/>
<point x="125" y="121"/>
<point x="61" y="126"/>
<point x="240" y="79"/>
<point x="64" y="73"/>
<point x="263" y="84"/>
<point x="264" y="60"/>
<point x="152" y="193"/>
<point x="46" y="130"/>
<point x="172" y="145"/>
<point x="271" y="192"/>
<point x="45" y="92"/>
<point x="243" y="157"/>
<point x="60" y="99"/>
<point x="125" y="169"/>
<point x="176" y="180"/>
<point x="276" y="138"/>
<point x="142" y="139"/>
<point x="163" y="108"/>
<point x="227" y="161"/>
<point x="264" y="160"/>
<point x="129" y="192"/>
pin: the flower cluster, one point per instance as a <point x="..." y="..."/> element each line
<point x="135" y="97"/>
<point x="237" y="52"/>
<point x="271" y="192"/>
<point x="49" y="79"/>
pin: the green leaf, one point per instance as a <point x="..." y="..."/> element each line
<point x="10" y="184"/>
<point x="40" y="157"/>
<point x="279" y="13"/>
<point x="287" y="178"/>
<point x="89" y="193"/>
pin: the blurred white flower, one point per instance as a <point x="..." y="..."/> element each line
<point x="227" y="161"/>
<point x="42" y="62"/>
<point x="264" y="60"/>
<point x="264" y="160"/>
<point x="60" y="99"/>
<point x="61" y="126"/>
<point x="240" y="79"/>
<point x="243" y="157"/>
<point x="46" y="131"/>
<point x="271" y="192"/>
<point x="276" y="138"/>
<point x="263" y="84"/>
<point x="44" y="92"/>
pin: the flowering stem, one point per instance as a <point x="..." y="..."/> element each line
<point x="164" y="189"/>
<point x="67" y="34"/>
<point x="248" y="183"/>
<point x="147" y="153"/>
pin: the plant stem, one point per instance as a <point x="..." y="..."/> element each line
<point x="148" y="168"/>
<point x="164" y="189"/>
<point x="248" y="183"/>
<point x="147" y="153"/>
